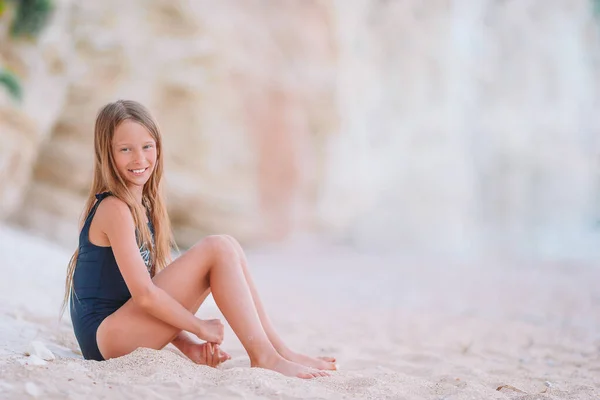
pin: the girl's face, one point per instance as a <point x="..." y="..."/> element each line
<point x="134" y="152"/>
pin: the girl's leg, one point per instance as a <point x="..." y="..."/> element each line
<point x="212" y="264"/>
<point x="326" y="363"/>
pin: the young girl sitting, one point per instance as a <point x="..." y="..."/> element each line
<point x="124" y="292"/>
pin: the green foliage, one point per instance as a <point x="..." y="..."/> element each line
<point x="10" y="81"/>
<point x="28" y="20"/>
<point x="31" y="16"/>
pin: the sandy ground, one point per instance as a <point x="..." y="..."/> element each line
<point x="400" y="328"/>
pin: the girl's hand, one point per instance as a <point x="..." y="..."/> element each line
<point x="206" y="354"/>
<point x="211" y="330"/>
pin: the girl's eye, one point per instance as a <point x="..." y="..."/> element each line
<point x="124" y="149"/>
<point x="148" y="146"/>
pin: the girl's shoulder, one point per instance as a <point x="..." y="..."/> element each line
<point x="112" y="208"/>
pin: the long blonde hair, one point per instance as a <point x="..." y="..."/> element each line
<point x="107" y="179"/>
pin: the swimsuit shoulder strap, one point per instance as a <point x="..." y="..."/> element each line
<point x="90" y="216"/>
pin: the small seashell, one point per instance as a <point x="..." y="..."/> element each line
<point x="38" y="348"/>
<point x="35" y="360"/>
<point x="509" y="387"/>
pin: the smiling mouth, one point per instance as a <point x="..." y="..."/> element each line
<point x="138" y="171"/>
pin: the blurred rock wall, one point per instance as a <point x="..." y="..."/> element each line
<point x="458" y="127"/>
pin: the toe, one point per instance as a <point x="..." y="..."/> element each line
<point x="331" y="367"/>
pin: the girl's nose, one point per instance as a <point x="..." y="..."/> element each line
<point x="138" y="156"/>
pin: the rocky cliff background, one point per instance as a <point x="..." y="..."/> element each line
<point x="424" y="127"/>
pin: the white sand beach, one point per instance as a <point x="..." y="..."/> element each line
<point x="400" y="329"/>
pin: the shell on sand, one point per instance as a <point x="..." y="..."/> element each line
<point x="39" y="349"/>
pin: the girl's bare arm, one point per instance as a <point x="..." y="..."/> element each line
<point x="116" y="222"/>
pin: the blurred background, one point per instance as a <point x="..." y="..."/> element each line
<point x="461" y="128"/>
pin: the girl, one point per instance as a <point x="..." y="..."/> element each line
<point x="123" y="296"/>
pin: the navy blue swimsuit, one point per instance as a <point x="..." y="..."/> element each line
<point x="98" y="287"/>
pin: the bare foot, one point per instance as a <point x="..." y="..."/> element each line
<point x="206" y="354"/>
<point x="328" y="359"/>
<point x="289" y="368"/>
<point x="321" y="363"/>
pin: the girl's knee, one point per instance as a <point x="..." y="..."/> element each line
<point x="232" y="240"/>
<point x="219" y="245"/>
